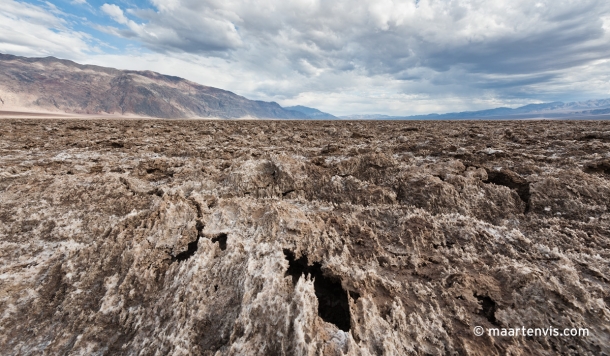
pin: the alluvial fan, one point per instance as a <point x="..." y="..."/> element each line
<point x="159" y="237"/>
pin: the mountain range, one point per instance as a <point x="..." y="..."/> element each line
<point x="312" y="113"/>
<point x="61" y="86"/>
<point x="579" y="109"/>
<point x="56" y="85"/>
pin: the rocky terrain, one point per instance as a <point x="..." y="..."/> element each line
<point x="151" y="237"/>
<point x="64" y="86"/>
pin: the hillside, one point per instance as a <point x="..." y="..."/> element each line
<point x="56" y="85"/>
<point x="312" y="113"/>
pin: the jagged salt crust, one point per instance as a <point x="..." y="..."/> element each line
<point x="250" y="238"/>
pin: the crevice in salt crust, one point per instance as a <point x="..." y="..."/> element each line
<point x="333" y="305"/>
<point x="488" y="308"/>
<point x="191" y="249"/>
<point x="192" y="246"/>
<point x="512" y="181"/>
<point x="222" y="241"/>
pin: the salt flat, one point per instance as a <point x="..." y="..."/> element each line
<point x="199" y="237"/>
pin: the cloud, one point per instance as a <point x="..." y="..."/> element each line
<point x="32" y="30"/>
<point x="115" y="13"/>
<point x="363" y="56"/>
<point x="383" y="36"/>
<point x="179" y="29"/>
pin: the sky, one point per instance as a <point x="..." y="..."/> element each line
<point x="341" y="56"/>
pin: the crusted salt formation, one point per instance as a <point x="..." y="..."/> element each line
<point x="302" y="238"/>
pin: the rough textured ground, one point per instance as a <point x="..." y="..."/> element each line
<point x="292" y="238"/>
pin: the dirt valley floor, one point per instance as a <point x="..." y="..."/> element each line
<point x="151" y="237"/>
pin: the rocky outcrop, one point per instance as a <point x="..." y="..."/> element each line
<point x="302" y="238"/>
<point x="64" y="86"/>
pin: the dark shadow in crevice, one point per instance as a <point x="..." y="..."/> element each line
<point x="191" y="249"/>
<point x="488" y="308"/>
<point x="598" y="167"/>
<point x="513" y="181"/>
<point x="333" y="305"/>
<point x="158" y="192"/>
<point x="222" y="241"/>
<point x="199" y="226"/>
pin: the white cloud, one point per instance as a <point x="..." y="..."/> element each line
<point x="381" y="36"/>
<point x="173" y="28"/>
<point x="32" y="30"/>
<point x="350" y="56"/>
<point x="115" y="13"/>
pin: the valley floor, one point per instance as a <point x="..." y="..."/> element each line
<point x="156" y="237"/>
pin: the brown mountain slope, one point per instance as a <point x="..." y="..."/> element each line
<point x="64" y="86"/>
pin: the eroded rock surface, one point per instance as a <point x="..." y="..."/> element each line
<point x="302" y="238"/>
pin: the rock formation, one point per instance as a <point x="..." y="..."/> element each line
<point x="64" y="86"/>
<point x="302" y="238"/>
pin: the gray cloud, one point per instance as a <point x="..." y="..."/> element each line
<point x="385" y="37"/>
<point x="179" y="29"/>
<point x="386" y="56"/>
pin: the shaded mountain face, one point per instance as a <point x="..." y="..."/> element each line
<point x="65" y="86"/>
<point x="311" y="113"/>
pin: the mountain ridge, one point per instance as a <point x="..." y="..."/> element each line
<point x="59" y="85"/>
<point x="556" y="109"/>
<point x="312" y="113"/>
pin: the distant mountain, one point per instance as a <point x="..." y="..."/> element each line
<point x="545" y="110"/>
<point x="368" y="117"/>
<point x="56" y="85"/>
<point x="311" y="113"/>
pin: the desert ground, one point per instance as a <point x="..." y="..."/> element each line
<point x="166" y="237"/>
